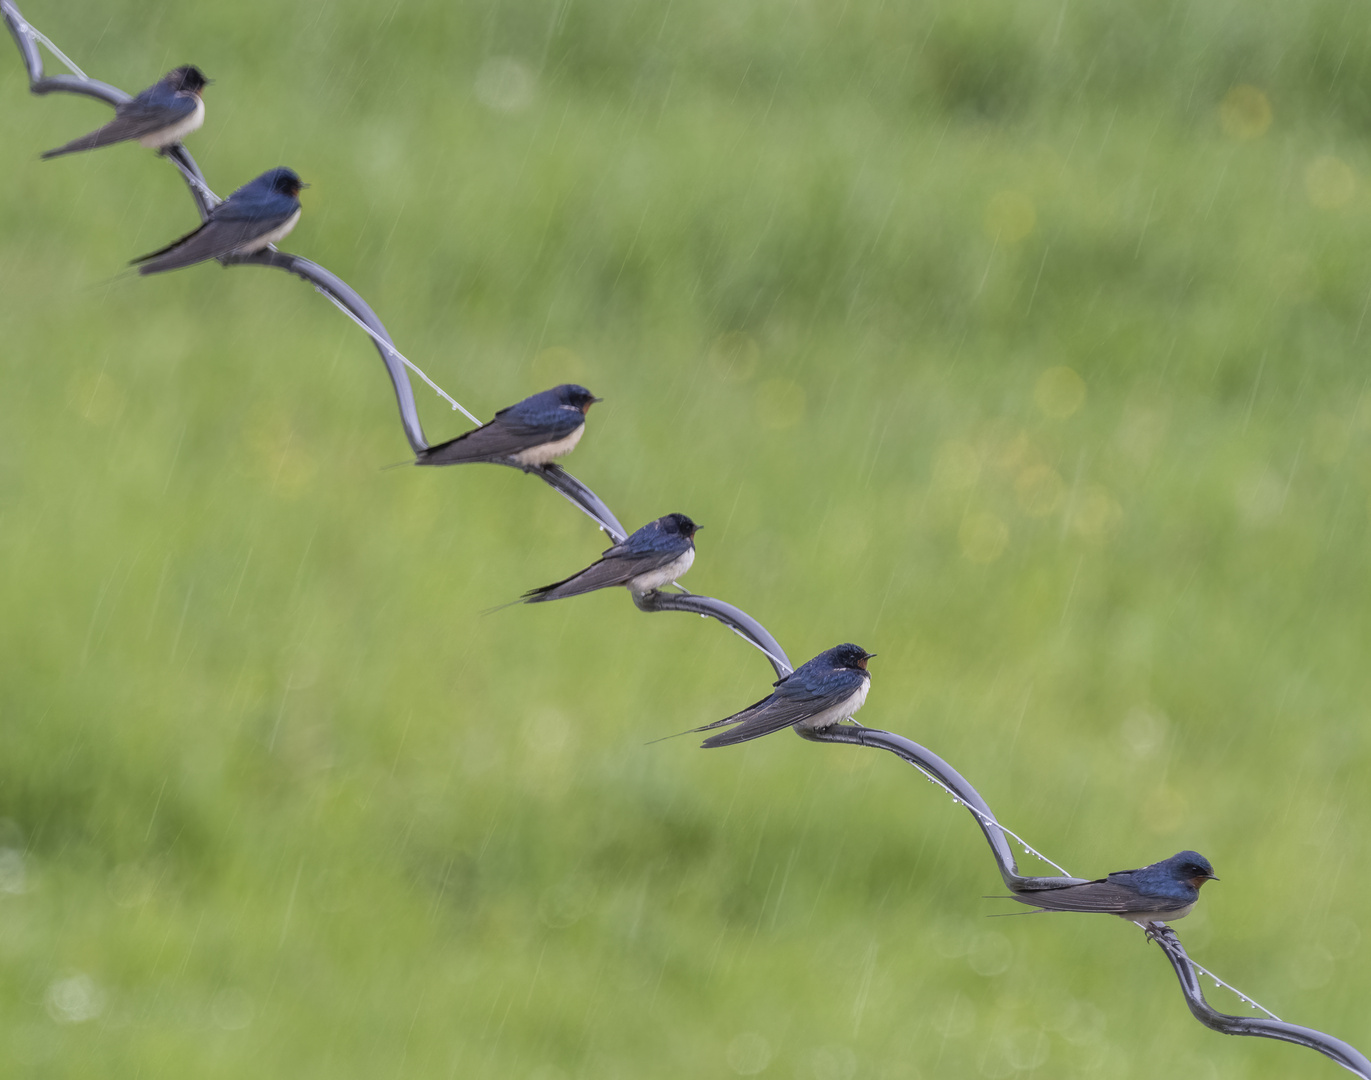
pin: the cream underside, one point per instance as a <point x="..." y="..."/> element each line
<point x="1142" y="918"/>
<point x="840" y="712"/>
<point x="655" y="579"/>
<point x="177" y="131"/>
<point x="541" y="455"/>
<point x="278" y="233"/>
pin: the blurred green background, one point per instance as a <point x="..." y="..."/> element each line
<point x="1021" y="343"/>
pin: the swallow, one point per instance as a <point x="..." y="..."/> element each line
<point x="1165" y="890"/>
<point x="654" y="556"/>
<point x="163" y="114"/>
<point x="816" y="695"/>
<point x="257" y="214"/>
<point x="534" y="432"/>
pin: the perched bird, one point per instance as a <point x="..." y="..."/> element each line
<point x="655" y="555"/>
<point x="816" y="695"/>
<point x="257" y="214"/>
<point x="1156" y="893"/>
<point x="533" y="432"/>
<point x="163" y="114"/>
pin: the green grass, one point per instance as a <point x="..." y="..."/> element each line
<point x="294" y="808"/>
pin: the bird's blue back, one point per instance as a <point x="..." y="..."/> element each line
<point x="163" y="95"/>
<point x="653" y="538"/>
<point x="821" y="677"/>
<point x="258" y="199"/>
<point x="542" y="412"/>
<point x="1165" y="878"/>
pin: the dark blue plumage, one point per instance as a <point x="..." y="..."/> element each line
<point x="259" y="213"/>
<point x="163" y="114"/>
<point x="654" y="556"/>
<point x="1164" y="890"/>
<point x="816" y="695"/>
<point x="533" y="432"/>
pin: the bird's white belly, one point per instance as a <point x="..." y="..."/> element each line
<point x="278" y="233"/>
<point x="839" y="712"/>
<point x="655" y="579"/>
<point x="178" y="131"/>
<point x="1142" y="918"/>
<point x="541" y="455"/>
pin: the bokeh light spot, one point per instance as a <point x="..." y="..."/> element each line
<point x="75" y="999"/>
<point x="13" y="874"/>
<point x="1245" y="113"/>
<point x="749" y="1054"/>
<point x="1009" y="217"/>
<point x="556" y="365"/>
<point x="95" y="397"/>
<point x="566" y="903"/>
<point x="836" y="1062"/>
<point x="983" y="537"/>
<point x="1028" y="1049"/>
<point x="991" y="954"/>
<point x="1059" y="392"/>
<point x="780" y="403"/>
<point x="955" y="1018"/>
<point x="1144" y="731"/>
<point x="1260" y="497"/>
<point x="957" y="466"/>
<point x="1040" y="490"/>
<point x="505" y="84"/>
<point x="1097" y="514"/>
<point x="232" y="1009"/>
<point x="733" y="356"/>
<point x="1331" y="438"/>
<point x="1164" y="809"/>
<point x="1329" y="182"/>
<point x="1312" y="968"/>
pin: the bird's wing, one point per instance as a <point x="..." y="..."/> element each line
<point x="602" y="574"/>
<point x="791" y="703"/>
<point x="1100" y="896"/>
<point x="221" y="235"/>
<point x="498" y="439"/>
<point x="134" y="119"/>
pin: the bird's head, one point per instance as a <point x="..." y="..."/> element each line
<point x="1191" y="867"/>
<point x="851" y="656"/>
<point x="578" y="397"/>
<point x="680" y="525"/>
<point x="188" y="77"/>
<point x="284" y="181"/>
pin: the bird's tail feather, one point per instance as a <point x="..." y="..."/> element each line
<point x="452" y="452"/>
<point x="603" y="574"/>
<point x="165" y="264"/>
<point x="550" y="592"/>
<point x="93" y="141"/>
<point x="745" y="731"/>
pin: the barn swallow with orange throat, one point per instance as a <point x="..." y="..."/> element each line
<point x="531" y="432"/>
<point x="259" y="213"/>
<point x="1165" y="890"/>
<point x="162" y="115"/>
<point x="816" y="695"/>
<point x="654" y="556"/>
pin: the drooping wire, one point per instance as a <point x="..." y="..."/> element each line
<point x="744" y="625"/>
